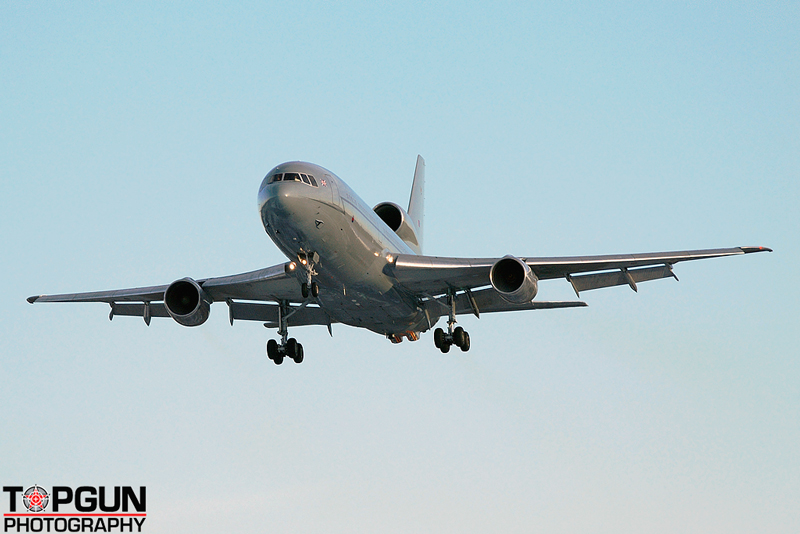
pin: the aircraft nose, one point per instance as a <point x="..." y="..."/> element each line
<point x="281" y="198"/>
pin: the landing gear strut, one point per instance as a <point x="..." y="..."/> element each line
<point x="454" y="336"/>
<point x="288" y="348"/>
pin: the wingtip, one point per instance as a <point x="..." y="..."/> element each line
<point x="33" y="299"/>
<point x="749" y="250"/>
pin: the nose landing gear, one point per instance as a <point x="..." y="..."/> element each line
<point x="308" y="260"/>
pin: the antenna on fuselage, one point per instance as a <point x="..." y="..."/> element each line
<point x="416" y="204"/>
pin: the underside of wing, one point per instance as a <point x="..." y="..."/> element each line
<point x="433" y="276"/>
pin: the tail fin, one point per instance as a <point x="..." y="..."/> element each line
<point x="416" y="204"/>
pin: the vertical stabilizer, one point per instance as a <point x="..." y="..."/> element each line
<point x="416" y="204"/>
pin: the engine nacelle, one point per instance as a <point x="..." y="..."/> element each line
<point x="187" y="303"/>
<point x="513" y="280"/>
<point x="398" y="220"/>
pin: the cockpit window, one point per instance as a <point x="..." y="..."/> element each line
<point x="293" y="177"/>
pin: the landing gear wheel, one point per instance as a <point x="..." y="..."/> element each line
<point x="291" y="348"/>
<point x="272" y="349"/>
<point x="314" y="290"/>
<point x="278" y="359"/>
<point x="445" y="348"/>
<point x="298" y="356"/>
<point x="438" y="338"/>
<point x="465" y="343"/>
<point x="458" y="336"/>
<point x="304" y="290"/>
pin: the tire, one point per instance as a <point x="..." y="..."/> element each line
<point x="278" y="359"/>
<point x="465" y="344"/>
<point x="291" y="348"/>
<point x="272" y="349"/>
<point x="438" y="338"/>
<point x="304" y="290"/>
<point x="445" y="348"/>
<point x="314" y="289"/>
<point x="458" y="336"/>
<point x="299" y="355"/>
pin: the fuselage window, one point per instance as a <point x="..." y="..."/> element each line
<point x="275" y="178"/>
<point x="305" y="179"/>
<point x="313" y="181"/>
<point x="291" y="176"/>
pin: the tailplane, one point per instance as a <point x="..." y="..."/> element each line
<point x="416" y="204"/>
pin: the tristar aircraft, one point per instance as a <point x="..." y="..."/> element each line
<point x="364" y="267"/>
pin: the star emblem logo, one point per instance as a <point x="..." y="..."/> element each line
<point x="35" y="498"/>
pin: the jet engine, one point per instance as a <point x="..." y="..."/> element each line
<point x="513" y="280"/>
<point x="398" y="220"/>
<point x="187" y="303"/>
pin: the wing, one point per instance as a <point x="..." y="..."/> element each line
<point x="273" y="284"/>
<point x="270" y="284"/>
<point x="433" y="276"/>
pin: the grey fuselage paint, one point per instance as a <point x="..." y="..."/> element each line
<point x="354" y="246"/>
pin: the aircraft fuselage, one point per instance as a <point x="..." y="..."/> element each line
<point x="353" y="244"/>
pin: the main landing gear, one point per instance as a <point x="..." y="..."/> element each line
<point x="454" y="336"/>
<point x="288" y="348"/>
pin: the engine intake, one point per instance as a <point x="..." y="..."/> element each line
<point x="398" y="220"/>
<point x="513" y="280"/>
<point x="187" y="303"/>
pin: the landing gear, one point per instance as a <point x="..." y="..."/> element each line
<point x="288" y="348"/>
<point x="454" y="336"/>
<point x="308" y="261"/>
<point x="313" y="290"/>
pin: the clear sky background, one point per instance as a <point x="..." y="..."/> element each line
<point x="133" y="139"/>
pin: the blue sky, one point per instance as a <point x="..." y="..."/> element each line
<point x="133" y="140"/>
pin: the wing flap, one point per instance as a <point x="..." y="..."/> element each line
<point x="489" y="301"/>
<point x="622" y="277"/>
<point x="129" y="309"/>
<point x="268" y="313"/>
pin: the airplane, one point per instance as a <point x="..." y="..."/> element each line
<point x="364" y="267"/>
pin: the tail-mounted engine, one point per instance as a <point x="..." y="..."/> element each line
<point x="398" y="220"/>
<point x="187" y="303"/>
<point x="514" y="280"/>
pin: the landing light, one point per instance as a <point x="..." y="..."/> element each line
<point x="292" y="266"/>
